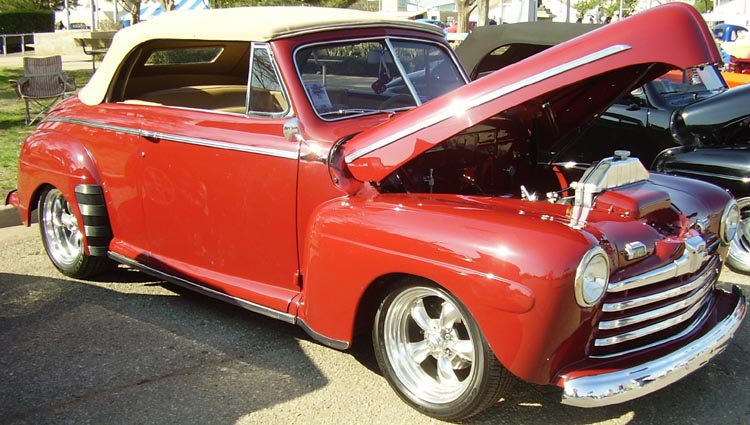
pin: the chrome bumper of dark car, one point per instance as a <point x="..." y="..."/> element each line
<point x="623" y="385"/>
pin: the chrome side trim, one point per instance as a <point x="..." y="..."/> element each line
<point x="180" y="139"/>
<point x="691" y="260"/>
<point x="256" y="308"/>
<point x="593" y="57"/>
<point x="674" y="292"/>
<point x="627" y="384"/>
<point x="227" y="146"/>
<point x="333" y="343"/>
<point x="93" y="124"/>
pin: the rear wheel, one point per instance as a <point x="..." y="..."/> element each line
<point x="433" y="354"/>
<point x="739" y="250"/>
<point x="63" y="239"/>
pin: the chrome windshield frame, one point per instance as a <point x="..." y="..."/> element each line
<point x="388" y="41"/>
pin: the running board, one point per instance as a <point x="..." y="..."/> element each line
<point x="247" y="305"/>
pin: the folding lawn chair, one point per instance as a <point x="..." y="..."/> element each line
<point x="43" y="84"/>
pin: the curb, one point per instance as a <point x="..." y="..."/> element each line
<point x="9" y="216"/>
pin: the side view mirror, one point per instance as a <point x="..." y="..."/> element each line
<point x="292" y="130"/>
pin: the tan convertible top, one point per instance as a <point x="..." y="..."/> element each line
<point x="241" y="24"/>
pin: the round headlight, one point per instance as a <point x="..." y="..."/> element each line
<point x="730" y="220"/>
<point x="592" y="277"/>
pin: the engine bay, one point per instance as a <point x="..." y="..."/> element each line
<point x="494" y="158"/>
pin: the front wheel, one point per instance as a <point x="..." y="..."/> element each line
<point x="739" y="250"/>
<point x="63" y="239"/>
<point x="433" y="354"/>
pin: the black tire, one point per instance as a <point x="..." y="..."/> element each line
<point x="63" y="239"/>
<point x="434" y="355"/>
<point x="739" y="250"/>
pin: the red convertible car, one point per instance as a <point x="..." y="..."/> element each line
<point x="337" y="170"/>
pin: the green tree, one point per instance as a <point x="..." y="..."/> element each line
<point x="704" y="6"/>
<point x="167" y="4"/>
<point x="13" y="5"/>
<point x="605" y="7"/>
<point x="133" y="7"/>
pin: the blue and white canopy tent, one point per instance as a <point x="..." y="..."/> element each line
<point x="152" y="8"/>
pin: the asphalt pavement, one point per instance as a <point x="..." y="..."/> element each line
<point x="127" y="348"/>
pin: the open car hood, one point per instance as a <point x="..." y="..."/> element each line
<point x="568" y="84"/>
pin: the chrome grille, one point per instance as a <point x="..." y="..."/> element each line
<point x="658" y="306"/>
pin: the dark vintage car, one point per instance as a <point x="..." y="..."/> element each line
<point x="684" y="123"/>
<point x="337" y="170"/>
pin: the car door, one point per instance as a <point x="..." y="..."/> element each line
<point x="218" y="194"/>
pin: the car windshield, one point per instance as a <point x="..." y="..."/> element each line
<point x="682" y="87"/>
<point x="363" y="77"/>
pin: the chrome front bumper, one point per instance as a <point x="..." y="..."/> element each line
<point x="623" y="385"/>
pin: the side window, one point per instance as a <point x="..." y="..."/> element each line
<point x="184" y="56"/>
<point x="266" y="94"/>
<point x="196" y="74"/>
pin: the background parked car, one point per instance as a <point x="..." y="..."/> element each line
<point x="727" y="32"/>
<point x="433" y="22"/>
<point x="685" y="123"/>
<point x="733" y="43"/>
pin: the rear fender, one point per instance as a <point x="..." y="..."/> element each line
<point x="52" y="159"/>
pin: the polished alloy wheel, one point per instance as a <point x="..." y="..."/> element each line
<point x="62" y="236"/>
<point x="430" y="347"/>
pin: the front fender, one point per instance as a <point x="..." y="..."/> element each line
<point x="513" y="271"/>
<point x="56" y="159"/>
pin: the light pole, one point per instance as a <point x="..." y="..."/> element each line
<point x="93" y="15"/>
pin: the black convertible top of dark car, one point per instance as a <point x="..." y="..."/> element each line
<point x="519" y="40"/>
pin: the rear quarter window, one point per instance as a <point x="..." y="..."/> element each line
<point x="189" y="55"/>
